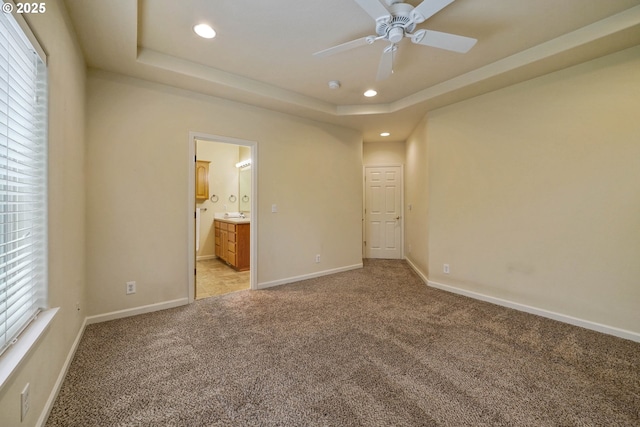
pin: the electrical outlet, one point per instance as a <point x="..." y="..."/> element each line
<point x="24" y="402"/>
<point x="317" y="258"/>
<point x="274" y="208"/>
<point x="445" y="268"/>
<point x="131" y="288"/>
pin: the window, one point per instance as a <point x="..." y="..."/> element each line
<point x="23" y="180"/>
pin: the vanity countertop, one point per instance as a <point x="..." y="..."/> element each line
<point x="234" y="220"/>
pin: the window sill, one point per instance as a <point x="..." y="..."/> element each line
<point x="13" y="357"/>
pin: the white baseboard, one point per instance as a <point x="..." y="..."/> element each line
<point x="137" y="310"/>
<point x="279" y="282"/>
<point x="417" y="270"/>
<point x="587" y="324"/>
<point x="63" y="373"/>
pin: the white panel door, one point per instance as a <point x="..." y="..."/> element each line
<point x="383" y="212"/>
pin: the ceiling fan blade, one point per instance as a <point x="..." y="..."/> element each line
<point x="427" y="9"/>
<point x="385" y="69"/>
<point x="345" y="46"/>
<point x="374" y="8"/>
<point x="446" y="41"/>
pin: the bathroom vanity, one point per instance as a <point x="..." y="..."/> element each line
<point x="232" y="241"/>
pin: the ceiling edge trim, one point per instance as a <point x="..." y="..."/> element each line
<point x="581" y="36"/>
<point x="212" y="75"/>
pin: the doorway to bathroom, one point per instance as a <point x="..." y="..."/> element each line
<point x="222" y="196"/>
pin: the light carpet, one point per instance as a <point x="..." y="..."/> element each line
<point x="368" y="347"/>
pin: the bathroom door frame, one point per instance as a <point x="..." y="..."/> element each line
<point x="191" y="204"/>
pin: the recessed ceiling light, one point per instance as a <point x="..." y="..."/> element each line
<point x="385" y="134"/>
<point x="204" y="31"/>
<point x="370" y="93"/>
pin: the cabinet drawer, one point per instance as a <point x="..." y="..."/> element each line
<point x="232" y="237"/>
<point x="231" y="228"/>
<point x="231" y="258"/>
<point x="216" y="225"/>
<point x="231" y="247"/>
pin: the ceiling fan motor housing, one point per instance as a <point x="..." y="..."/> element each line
<point x="395" y="29"/>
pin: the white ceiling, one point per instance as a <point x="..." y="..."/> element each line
<point x="262" y="54"/>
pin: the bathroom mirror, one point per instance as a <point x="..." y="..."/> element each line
<point x="244" y="180"/>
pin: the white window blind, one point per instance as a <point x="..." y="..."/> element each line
<point x="23" y="181"/>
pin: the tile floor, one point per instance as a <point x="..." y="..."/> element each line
<point x="214" y="277"/>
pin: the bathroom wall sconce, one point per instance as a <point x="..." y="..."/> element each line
<point x="244" y="163"/>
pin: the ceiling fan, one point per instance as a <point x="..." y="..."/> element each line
<point x="398" y="20"/>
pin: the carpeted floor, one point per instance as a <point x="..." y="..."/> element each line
<point x="369" y="347"/>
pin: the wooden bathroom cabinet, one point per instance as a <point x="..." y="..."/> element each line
<point x="232" y="243"/>
<point x="202" y="180"/>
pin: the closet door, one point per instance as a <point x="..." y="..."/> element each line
<point x="383" y="212"/>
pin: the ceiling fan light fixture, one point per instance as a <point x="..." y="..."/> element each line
<point x="395" y="35"/>
<point x="204" y="31"/>
<point x="370" y="93"/>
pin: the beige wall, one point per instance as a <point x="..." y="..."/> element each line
<point x="223" y="182"/>
<point x="383" y="153"/>
<point x="416" y="247"/>
<point x="245" y="152"/>
<point x="66" y="217"/>
<point x="534" y="192"/>
<point x="532" y="195"/>
<point x="137" y="209"/>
